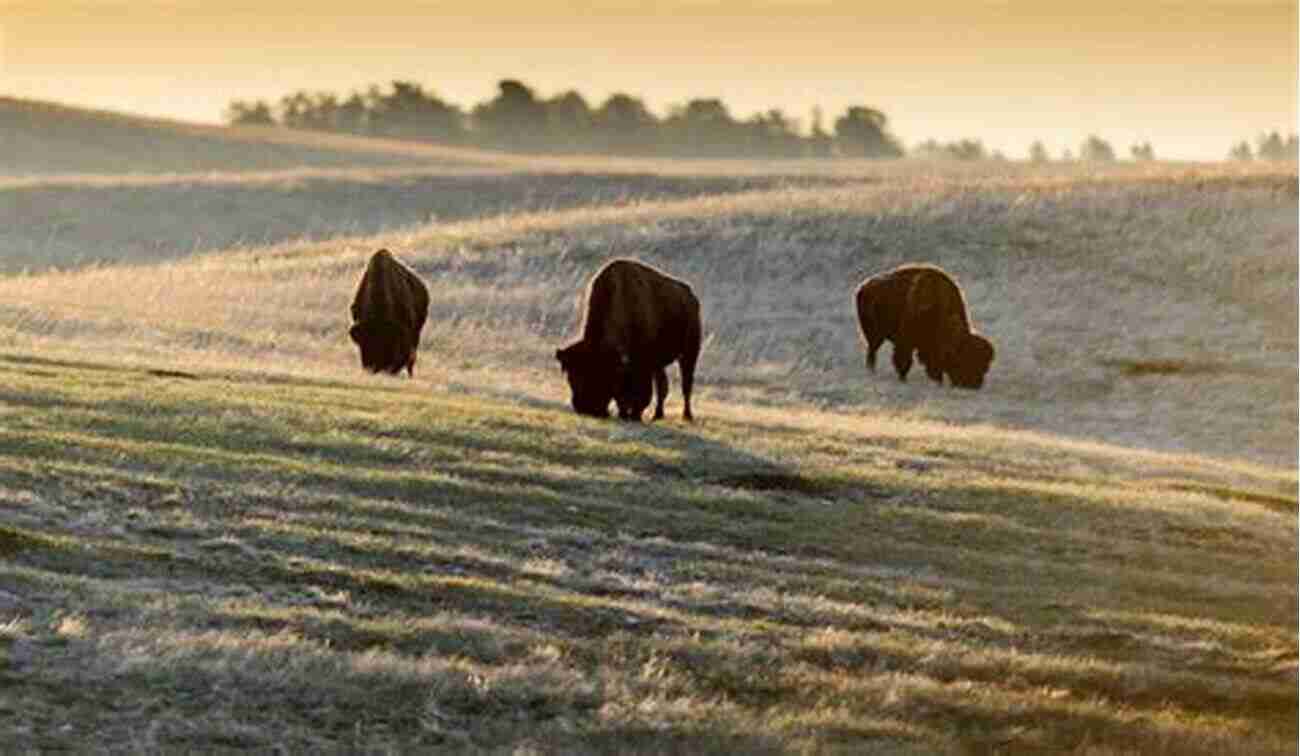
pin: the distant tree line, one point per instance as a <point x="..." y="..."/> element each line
<point x="1271" y="146"/>
<point x="517" y="119"/>
<point x="962" y="149"/>
<point x="1093" y="149"/>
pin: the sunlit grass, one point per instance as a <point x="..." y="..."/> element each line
<point x="405" y="568"/>
<point x="1203" y="274"/>
<point x="216" y="533"/>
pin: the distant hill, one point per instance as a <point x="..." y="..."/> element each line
<point x="42" y="138"/>
<point x="80" y="186"/>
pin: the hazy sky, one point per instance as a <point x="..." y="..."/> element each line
<point x="1190" y="77"/>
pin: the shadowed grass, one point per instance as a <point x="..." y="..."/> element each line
<point x="216" y="534"/>
<point x="411" y="569"/>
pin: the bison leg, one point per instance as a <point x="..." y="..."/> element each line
<point x="661" y="392"/>
<point x="635" y="394"/>
<point x="872" y="347"/>
<point x="687" y="365"/>
<point x="933" y="368"/>
<point x="902" y="359"/>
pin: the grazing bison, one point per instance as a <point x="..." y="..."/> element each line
<point x="921" y="308"/>
<point x="637" y="322"/>
<point x="388" y="312"/>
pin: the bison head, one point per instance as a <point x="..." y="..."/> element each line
<point x="385" y="347"/>
<point x="971" y="362"/>
<point x="595" y="377"/>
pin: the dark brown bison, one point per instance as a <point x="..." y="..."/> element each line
<point x="921" y="308"/>
<point x="637" y="322"/>
<point x="388" y="312"/>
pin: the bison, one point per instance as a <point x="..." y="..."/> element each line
<point x="637" y="322"/>
<point x="921" y="308"/>
<point x="388" y="311"/>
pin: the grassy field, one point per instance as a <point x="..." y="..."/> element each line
<point x="71" y="222"/>
<point x="237" y="559"/>
<point x="216" y="533"/>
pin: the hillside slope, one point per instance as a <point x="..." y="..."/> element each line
<point x="217" y="559"/>
<point x="216" y="533"/>
<point x="81" y="187"/>
<point x="1155" y="312"/>
<point x="40" y="138"/>
<point x="43" y="138"/>
<point x="104" y="220"/>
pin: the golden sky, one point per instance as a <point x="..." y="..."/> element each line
<point x="1190" y="77"/>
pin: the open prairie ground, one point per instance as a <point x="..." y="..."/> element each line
<point x="217" y="533"/>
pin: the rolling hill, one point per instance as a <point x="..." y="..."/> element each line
<point x="44" y="138"/>
<point x="216" y="533"/>
<point x="81" y="187"/>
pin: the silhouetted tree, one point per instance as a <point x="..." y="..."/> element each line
<point x="514" y="120"/>
<point x="965" y="149"/>
<point x="623" y="124"/>
<point x="1269" y="146"/>
<point x="1142" y="152"/>
<point x="320" y="113"/>
<point x="703" y="127"/>
<point x="1038" y="152"/>
<point x="820" y="143"/>
<point x="568" y="122"/>
<point x="1272" y="146"/>
<point x="860" y="132"/>
<point x="772" y="134"/>
<point x="1241" y="151"/>
<point x="353" y="115"/>
<point x="294" y="109"/>
<point x="408" y="112"/>
<point x="1096" y="150"/>
<point x="256" y="113"/>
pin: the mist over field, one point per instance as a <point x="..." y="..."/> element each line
<point x="216" y="531"/>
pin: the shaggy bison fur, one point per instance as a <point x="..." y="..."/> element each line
<point x="388" y="311"/>
<point x="921" y="308"/>
<point x="637" y="322"/>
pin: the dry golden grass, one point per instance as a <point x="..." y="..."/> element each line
<point x="75" y="221"/>
<point x="80" y="188"/>
<point x="1076" y="281"/>
<point x="216" y="534"/>
<point x="255" y="561"/>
